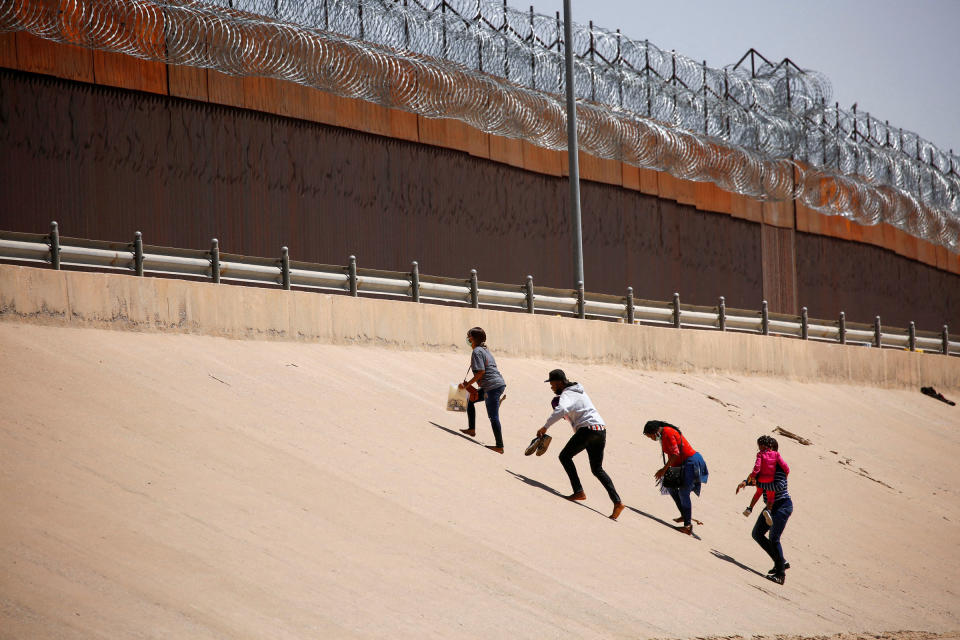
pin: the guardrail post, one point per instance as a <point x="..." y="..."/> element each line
<point x="764" y="319"/>
<point x="804" y="327"/>
<point x="722" y="313"/>
<point x="138" y="253"/>
<point x="54" y="246"/>
<point x="842" y="330"/>
<point x="352" y="274"/>
<point x="912" y="336"/>
<point x="580" y="300"/>
<point x="945" y="341"/>
<point x="474" y="290"/>
<point x="676" y="310"/>
<point x="415" y="281"/>
<point x="530" y="305"/>
<point x="215" y="260"/>
<point x="877" y="336"/>
<point x="631" y="311"/>
<point x="285" y="267"/>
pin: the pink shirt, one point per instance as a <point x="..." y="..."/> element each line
<point x="766" y="465"/>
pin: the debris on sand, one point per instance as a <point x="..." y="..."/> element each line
<point x="794" y="436"/>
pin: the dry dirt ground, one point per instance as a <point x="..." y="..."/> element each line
<point x="176" y="486"/>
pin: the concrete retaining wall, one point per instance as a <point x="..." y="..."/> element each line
<point x="80" y="299"/>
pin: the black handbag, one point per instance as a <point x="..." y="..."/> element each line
<point x="673" y="478"/>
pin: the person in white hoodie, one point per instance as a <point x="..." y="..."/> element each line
<point x="589" y="432"/>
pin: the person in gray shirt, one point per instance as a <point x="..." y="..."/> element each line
<point x="491" y="387"/>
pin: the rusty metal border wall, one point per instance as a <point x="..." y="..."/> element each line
<point x="109" y="162"/>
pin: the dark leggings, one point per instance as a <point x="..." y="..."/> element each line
<point x="781" y="511"/>
<point x="492" y="400"/>
<point x="593" y="442"/>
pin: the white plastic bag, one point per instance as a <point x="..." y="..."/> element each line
<point x="457" y="398"/>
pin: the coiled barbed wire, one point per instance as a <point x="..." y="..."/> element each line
<point x="767" y="133"/>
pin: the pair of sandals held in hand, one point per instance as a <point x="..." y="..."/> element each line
<point x="538" y="445"/>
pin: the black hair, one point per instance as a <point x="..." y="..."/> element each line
<point x="767" y="441"/>
<point x="653" y="425"/>
<point x="478" y="334"/>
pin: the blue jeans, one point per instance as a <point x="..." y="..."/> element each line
<point x="492" y="399"/>
<point x="781" y="511"/>
<point x="693" y="474"/>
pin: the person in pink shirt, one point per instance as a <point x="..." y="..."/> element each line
<point x="762" y="474"/>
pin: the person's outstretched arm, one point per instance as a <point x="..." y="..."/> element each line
<point x="557" y="414"/>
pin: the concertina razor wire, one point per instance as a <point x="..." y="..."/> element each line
<point x="767" y="132"/>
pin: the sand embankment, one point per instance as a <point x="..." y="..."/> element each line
<point x="165" y="484"/>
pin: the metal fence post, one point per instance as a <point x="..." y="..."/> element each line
<point x="580" y="300"/>
<point x="877" y="335"/>
<point x="631" y="311"/>
<point x="474" y="290"/>
<point x="804" y="327"/>
<point x="530" y="305"/>
<point x="842" y="330"/>
<point x="285" y="267"/>
<point x="352" y="273"/>
<point x="215" y="260"/>
<point x="912" y="336"/>
<point x="55" y="246"/>
<point x="764" y="319"/>
<point x="415" y="281"/>
<point x="722" y="313"/>
<point x="676" y="310"/>
<point x="945" y="341"/>
<point x="138" y="253"/>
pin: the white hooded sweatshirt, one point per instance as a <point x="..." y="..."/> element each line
<point x="576" y="407"/>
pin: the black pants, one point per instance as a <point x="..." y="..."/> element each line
<point x="593" y="442"/>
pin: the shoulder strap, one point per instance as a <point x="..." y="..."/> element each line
<point x="679" y="444"/>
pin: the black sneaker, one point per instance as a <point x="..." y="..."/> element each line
<point x="786" y="566"/>
<point x="779" y="578"/>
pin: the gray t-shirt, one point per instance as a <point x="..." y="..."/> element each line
<point x="482" y="360"/>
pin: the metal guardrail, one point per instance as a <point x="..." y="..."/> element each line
<point x="215" y="266"/>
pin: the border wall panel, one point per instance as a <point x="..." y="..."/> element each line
<point x="8" y="50"/>
<point x="187" y="82"/>
<point x="650" y="182"/>
<point x="52" y="58"/>
<point x="106" y="162"/>
<point x="779" y="269"/>
<point x="839" y="275"/>
<point x="118" y="70"/>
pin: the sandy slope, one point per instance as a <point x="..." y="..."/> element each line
<point x="193" y="487"/>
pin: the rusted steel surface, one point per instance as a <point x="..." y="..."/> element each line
<point x="864" y="281"/>
<point x="105" y="163"/>
<point x="779" y="270"/>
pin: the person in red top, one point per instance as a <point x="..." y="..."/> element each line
<point x="679" y="453"/>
